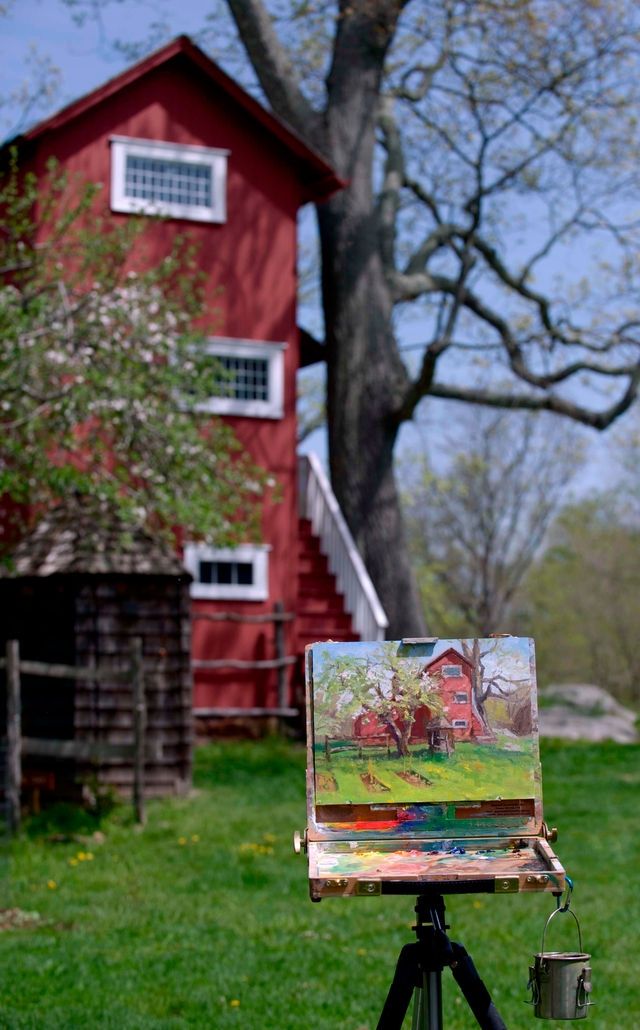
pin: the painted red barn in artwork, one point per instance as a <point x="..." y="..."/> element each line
<point x="454" y="673"/>
<point x="174" y="135"/>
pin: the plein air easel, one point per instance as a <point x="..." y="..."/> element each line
<point x="419" y="974"/>
<point x="430" y="820"/>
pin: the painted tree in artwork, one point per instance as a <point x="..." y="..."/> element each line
<point x="496" y="673"/>
<point x="383" y="684"/>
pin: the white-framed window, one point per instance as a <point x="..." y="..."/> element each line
<point x="452" y="670"/>
<point x="460" y="724"/>
<point x="252" y="382"/>
<point x="460" y="699"/>
<point x="228" y="574"/>
<point x="171" y="179"/>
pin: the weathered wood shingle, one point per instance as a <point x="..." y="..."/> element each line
<point x="76" y="537"/>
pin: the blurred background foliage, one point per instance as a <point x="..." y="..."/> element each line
<point x="503" y="542"/>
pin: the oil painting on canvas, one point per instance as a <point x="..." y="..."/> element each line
<point x="452" y="721"/>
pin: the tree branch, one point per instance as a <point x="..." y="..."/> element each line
<point x="549" y="402"/>
<point x="389" y="202"/>
<point x="274" y="69"/>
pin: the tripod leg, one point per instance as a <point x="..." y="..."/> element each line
<point x="474" y="990"/>
<point x="417" y="1021"/>
<point x="427" y="1006"/>
<point x="405" y="980"/>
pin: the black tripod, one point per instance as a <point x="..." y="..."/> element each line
<point x="420" y="968"/>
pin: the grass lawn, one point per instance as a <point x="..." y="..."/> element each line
<point x="218" y="932"/>
<point x="457" y="777"/>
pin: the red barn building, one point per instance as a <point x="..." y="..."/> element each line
<point x="175" y="136"/>
<point x="455" y="689"/>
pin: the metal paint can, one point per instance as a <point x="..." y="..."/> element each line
<point x="560" y="980"/>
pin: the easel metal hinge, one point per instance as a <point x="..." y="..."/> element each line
<point x="368" y="888"/>
<point x="507" y="884"/>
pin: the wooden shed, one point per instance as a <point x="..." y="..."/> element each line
<point x="441" y="736"/>
<point x="79" y="588"/>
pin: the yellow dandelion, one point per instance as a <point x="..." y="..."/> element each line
<point x="182" y="840"/>
<point x="195" y="837"/>
<point x="73" y="861"/>
<point x="88" y="856"/>
<point x="234" y="1003"/>
<point x="362" y="951"/>
<point x="81" y="856"/>
<point x="270" y="838"/>
<point x="51" y="884"/>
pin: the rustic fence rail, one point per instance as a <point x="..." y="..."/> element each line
<point x="17" y="745"/>
<point x="281" y="662"/>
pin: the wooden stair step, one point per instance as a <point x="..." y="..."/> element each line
<point x="320" y="604"/>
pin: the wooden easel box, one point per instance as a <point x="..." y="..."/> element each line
<point x="480" y="845"/>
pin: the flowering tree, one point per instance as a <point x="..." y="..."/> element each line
<point x="383" y="684"/>
<point x="103" y="378"/>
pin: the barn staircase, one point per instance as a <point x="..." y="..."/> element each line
<point x="320" y="612"/>
<point x="336" y="598"/>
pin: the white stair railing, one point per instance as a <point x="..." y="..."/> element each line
<point x="318" y="504"/>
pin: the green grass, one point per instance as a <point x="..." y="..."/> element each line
<point x="457" y="777"/>
<point x="152" y="934"/>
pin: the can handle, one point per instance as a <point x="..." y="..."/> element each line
<point x="544" y="932"/>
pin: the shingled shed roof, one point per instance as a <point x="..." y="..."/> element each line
<point x="74" y="538"/>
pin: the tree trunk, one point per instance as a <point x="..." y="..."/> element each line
<point x="397" y="736"/>
<point x="472" y="654"/>
<point x="364" y="384"/>
<point x="366" y="379"/>
<point x="405" y="738"/>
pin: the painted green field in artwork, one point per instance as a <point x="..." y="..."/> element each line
<point x="474" y="772"/>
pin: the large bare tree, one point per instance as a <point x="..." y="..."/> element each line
<point x="486" y="146"/>
<point x="458" y="127"/>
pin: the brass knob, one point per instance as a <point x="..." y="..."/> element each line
<point x="550" y="835"/>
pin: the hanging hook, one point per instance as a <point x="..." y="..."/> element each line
<point x="565" y="907"/>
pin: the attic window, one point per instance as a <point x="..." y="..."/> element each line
<point x="452" y="670"/>
<point x="231" y="574"/>
<point x="168" y="179"/>
<point x="251" y="378"/>
<point x="173" y="182"/>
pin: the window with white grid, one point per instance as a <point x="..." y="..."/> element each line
<point x="246" y="379"/>
<point x="168" y="179"/>
<point x="251" y="378"/>
<point x="172" y="181"/>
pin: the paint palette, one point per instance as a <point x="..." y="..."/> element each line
<point x="423" y="769"/>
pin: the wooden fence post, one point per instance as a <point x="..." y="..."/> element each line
<point x="139" y="728"/>
<point x="14" y="736"/>
<point x="283" y="692"/>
